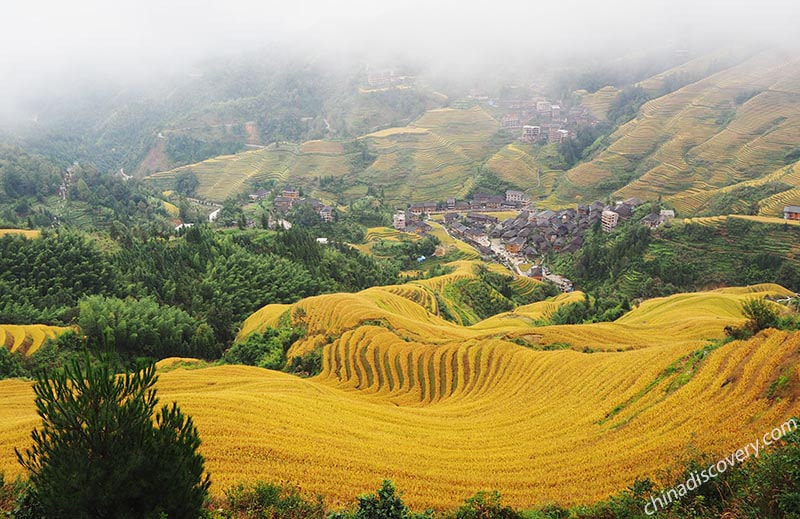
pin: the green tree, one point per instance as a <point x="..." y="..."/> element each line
<point x="103" y="452"/>
<point x="760" y="314"/>
<point x="83" y="190"/>
<point x="387" y="504"/>
<point x="186" y="183"/>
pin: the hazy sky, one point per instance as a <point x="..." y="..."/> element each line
<point x="43" y="40"/>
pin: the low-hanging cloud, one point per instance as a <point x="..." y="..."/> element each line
<point x="50" y="43"/>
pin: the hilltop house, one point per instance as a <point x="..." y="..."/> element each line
<point x="791" y="212"/>
<point x="563" y="283"/>
<point x="609" y="220"/>
<point x="283" y="203"/>
<point x="484" y="201"/>
<point x="291" y="192"/>
<point x="511" y="122"/>
<point x="261" y="194"/>
<point x="381" y="77"/>
<point x="536" y="272"/>
<point x="530" y="133"/>
<point x="652" y="220"/>
<point x="514" y="196"/>
<point x="425" y="208"/>
<point x="459" y="229"/>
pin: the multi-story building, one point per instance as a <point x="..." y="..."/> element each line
<point x="609" y="220"/>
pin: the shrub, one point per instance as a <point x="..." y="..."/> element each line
<point x="486" y="505"/>
<point x="386" y="504"/>
<point x="266" y="350"/>
<point x="10" y="364"/>
<point x="309" y="364"/>
<point x="267" y="500"/>
<point x="760" y="314"/>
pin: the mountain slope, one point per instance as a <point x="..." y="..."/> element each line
<point x="432" y="159"/>
<point x="736" y="125"/>
<point x="445" y="411"/>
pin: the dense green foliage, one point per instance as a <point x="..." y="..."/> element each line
<point x="41" y="280"/>
<point x="626" y="105"/>
<point x="369" y="211"/>
<point x="592" y="309"/>
<point x="587" y="139"/>
<point x="481" y="298"/>
<point x="36" y="192"/>
<point x="103" y="451"/>
<point x="635" y="262"/>
<point x="502" y="283"/>
<point x="406" y="252"/>
<point x="486" y="505"/>
<point x="487" y="182"/>
<point x="266" y="350"/>
<point x="174" y="289"/>
<point x="10" y="364"/>
<point x="743" y="200"/>
<point x="26" y="175"/>
<point x="186" y="183"/>
<point x="51" y="355"/>
<point x="142" y="327"/>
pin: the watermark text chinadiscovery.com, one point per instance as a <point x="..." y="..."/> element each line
<point x="696" y="478"/>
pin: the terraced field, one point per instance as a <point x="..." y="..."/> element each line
<point x="696" y="200"/>
<point x="598" y="102"/>
<point x="469" y="129"/>
<point x="465" y="250"/>
<point x="733" y="126"/>
<point x="433" y="159"/>
<point x="445" y="410"/>
<point x="416" y="165"/>
<point x="27" y="338"/>
<point x="376" y="234"/>
<point x="228" y="175"/>
<point x="171" y="209"/>
<point x="526" y="167"/>
<point x="714" y="220"/>
<point x="25" y="232"/>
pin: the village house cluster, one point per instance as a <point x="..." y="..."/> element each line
<point x="387" y="77"/>
<point x="539" y="120"/>
<point x="290" y="198"/>
<point x="409" y="219"/>
<point x="530" y="234"/>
